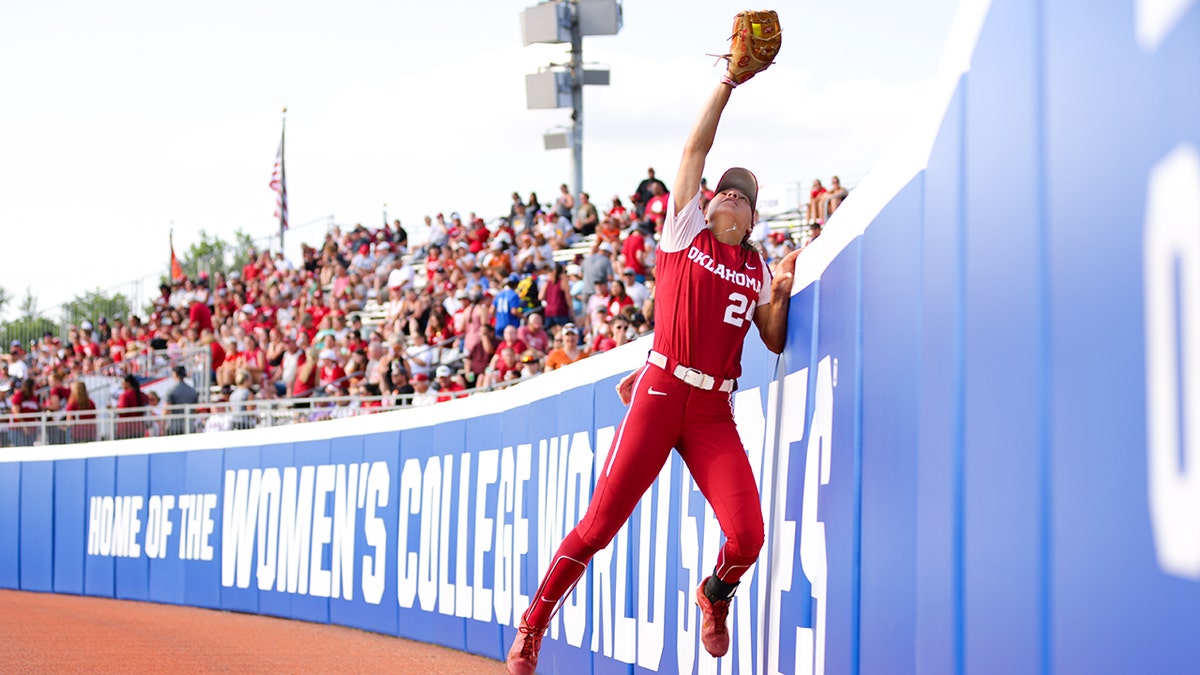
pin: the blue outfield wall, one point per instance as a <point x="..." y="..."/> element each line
<point x="978" y="452"/>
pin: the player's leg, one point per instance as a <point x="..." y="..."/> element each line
<point x="713" y="452"/>
<point x="637" y="454"/>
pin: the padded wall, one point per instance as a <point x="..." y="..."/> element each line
<point x="976" y="454"/>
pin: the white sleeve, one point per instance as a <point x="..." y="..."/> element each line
<point x="681" y="228"/>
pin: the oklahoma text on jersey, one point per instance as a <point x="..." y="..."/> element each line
<point x="728" y="274"/>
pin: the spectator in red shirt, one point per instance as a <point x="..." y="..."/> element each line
<point x="25" y="411"/>
<point x="618" y="212"/>
<point x="656" y="207"/>
<point x="448" y="388"/>
<point x="634" y="251"/>
<point x="307" y="375"/>
<point x="330" y="372"/>
<point x="508" y="366"/>
<point x="81" y="414"/>
<point x="814" y="201"/>
<point x="131" y="397"/>
<point x="602" y="342"/>
<point x="199" y="314"/>
<point x="619" y="298"/>
<point x="510" y="340"/>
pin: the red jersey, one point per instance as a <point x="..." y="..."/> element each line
<point x="634" y="245"/>
<point x="200" y="316"/>
<point x="707" y="293"/>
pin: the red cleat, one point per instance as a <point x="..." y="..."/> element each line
<point x="713" y="631"/>
<point x="523" y="655"/>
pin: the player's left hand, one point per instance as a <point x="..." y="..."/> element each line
<point x="784" y="271"/>
<point x="625" y="386"/>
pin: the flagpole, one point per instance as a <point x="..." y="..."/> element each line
<point x="283" y="178"/>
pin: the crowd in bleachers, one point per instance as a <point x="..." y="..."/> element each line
<point x="389" y="316"/>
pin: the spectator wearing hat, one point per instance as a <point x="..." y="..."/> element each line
<point x="636" y="289"/>
<point x="570" y="352"/>
<point x="777" y="246"/>
<point x="506" y="308"/>
<point x="330" y="372"/>
<point x="422" y="394"/>
<point x="180" y="395"/>
<point x="633" y="250"/>
<point x="531" y="364"/>
<point x="597" y="266"/>
<point x="609" y="232"/>
<point x="497" y="261"/>
<point x="447" y="386"/>
<point x="556" y="232"/>
<point x="18" y="366"/>
<point x="364" y="261"/>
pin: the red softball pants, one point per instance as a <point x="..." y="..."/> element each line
<point x="664" y="413"/>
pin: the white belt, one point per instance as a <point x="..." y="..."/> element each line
<point x="691" y="375"/>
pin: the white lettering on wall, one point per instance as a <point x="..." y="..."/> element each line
<point x="1172" y="251"/>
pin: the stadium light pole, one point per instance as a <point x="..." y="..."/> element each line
<point x="558" y="22"/>
<point x="576" y="69"/>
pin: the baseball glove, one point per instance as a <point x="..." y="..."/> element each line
<point x="755" y="42"/>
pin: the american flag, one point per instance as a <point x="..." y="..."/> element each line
<point x="279" y="186"/>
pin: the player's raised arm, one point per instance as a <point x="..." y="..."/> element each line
<point x="755" y="41"/>
<point x="699" y="142"/>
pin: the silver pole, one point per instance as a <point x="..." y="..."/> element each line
<point x="576" y="66"/>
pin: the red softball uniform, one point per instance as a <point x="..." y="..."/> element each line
<point x="706" y="296"/>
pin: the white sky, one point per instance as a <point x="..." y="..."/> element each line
<point x="120" y="118"/>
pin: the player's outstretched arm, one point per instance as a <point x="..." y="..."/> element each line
<point x="699" y="142"/>
<point x="772" y="317"/>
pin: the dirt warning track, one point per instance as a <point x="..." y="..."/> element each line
<point x="50" y="633"/>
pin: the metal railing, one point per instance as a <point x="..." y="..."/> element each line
<point x="58" y="428"/>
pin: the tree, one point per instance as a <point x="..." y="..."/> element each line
<point x="213" y="254"/>
<point x="30" y="324"/>
<point x="5" y="298"/>
<point x="29" y="308"/>
<point x="242" y="249"/>
<point x="94" y="304"/>
<point x="207" y="255"/>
